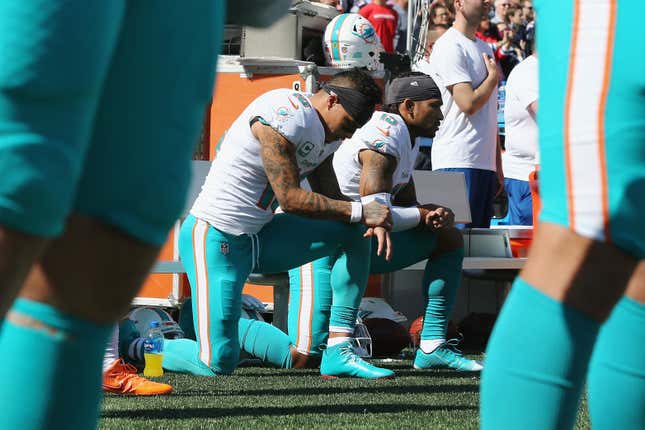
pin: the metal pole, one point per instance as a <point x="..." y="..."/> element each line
<point x="412" y="9"/>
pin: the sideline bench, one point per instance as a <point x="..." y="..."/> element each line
<point x="487" y="250"/>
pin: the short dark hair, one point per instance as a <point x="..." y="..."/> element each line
<point x="358" y="80"/>
<point x="394" y="107"/>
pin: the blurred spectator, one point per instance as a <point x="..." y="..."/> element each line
<point x="510" y="53"/>
<point x="500" y="10"/>
<point x="515" y="21"/>
<point x="529" y="23"/>
<point x="513" y="17"/>
<point x="439" y="15"/>
<point x="434" y="33"/>
<point x="385" y="21"/>
<point x="448" y="4"/>
<point x="488" y="33"/>
<point x="357" y="4"/>
<point x="464" y="69"/>
<point x="527" y="12"/>
<point x="400" y="40"/>
<point x="521" y="155"/>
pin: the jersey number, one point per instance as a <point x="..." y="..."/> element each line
<point x="266" y="198"/>
<point x="387" y="118"/>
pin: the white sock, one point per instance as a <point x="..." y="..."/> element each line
<point x="333" y="341"/>
<point x="429" y="345"/>
<point x="111" y="349"/>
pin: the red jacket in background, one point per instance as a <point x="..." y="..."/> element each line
<point x="385" y="21"/>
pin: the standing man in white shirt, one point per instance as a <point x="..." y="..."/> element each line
<point x="521" y="155"/>
<point x="465" y="70"/>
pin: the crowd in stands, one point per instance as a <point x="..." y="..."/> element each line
<point x="509" y="28"/>
<point x="509" y="31"/>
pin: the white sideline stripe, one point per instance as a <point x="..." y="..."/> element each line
<point x="588" y="76"/>
<point x="306" y="308"/>
<point x="202" y="291"/>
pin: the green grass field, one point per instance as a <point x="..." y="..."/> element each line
<point x="266" y="398"/>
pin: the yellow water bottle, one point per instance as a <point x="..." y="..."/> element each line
<point x="153" y="351"/>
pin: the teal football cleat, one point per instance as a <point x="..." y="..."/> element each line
<point x="446" y="356"/>
<point x="341" y="360"/>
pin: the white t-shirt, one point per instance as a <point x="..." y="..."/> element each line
<point x="462" y="141"/>
<point x="236" y="197"/>
<point x="521" y="153"/>
<point x="385" y="133"/>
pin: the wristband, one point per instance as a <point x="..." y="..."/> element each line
<point x="382" y="198"/>
<point x="357" y="212"/>
<point x="405" y="218"/>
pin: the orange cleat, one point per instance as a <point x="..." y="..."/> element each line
<point x="122" y="378"/>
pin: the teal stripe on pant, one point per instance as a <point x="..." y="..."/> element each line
<point x="287" y="241"/>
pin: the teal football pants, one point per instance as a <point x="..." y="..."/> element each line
<point x="592" y="181"/>
<point x="101" y="104"/>
<point x="317" y="304"/>
<point x="218" y="264"/>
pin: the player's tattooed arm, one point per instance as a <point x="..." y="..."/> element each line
<point x="377" y="172"/>
<point x="279" y="159"/>
<point x="376" y="177"/>
<point x="323" y="181"/>
<point x="407" y="196"/>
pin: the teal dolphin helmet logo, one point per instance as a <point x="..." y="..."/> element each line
<point x="364" y="30"/>
<point x="378" y="143"/>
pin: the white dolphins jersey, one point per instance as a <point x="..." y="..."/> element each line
<point x="236" y="197"/>
<point x="385" y="133"/>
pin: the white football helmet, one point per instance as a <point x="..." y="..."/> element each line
<point x="350" y="41"/>
<point x="362" y="340"/>
<point x="143" y="316"/>
<point x="377" y="307"/>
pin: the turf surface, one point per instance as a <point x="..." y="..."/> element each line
<point x="258" y="397"/>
